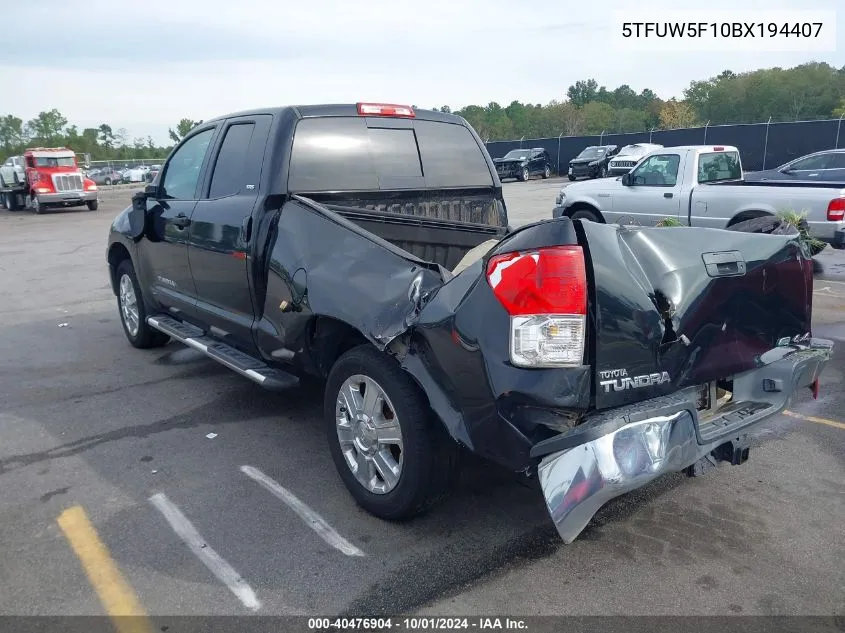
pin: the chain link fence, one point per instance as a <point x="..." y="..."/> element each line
<point x="761" y="145"/>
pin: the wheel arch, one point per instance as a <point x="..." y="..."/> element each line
<point x="584" y="206"/>
<point x="747" y="214"/>
<point x="329" y="338"/>
<point x="117" y="253"/>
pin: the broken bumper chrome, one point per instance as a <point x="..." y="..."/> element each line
<point x="619" y="451"/>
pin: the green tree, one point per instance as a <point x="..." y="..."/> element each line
<point x="598" y="118"/>
<point x="629" y="120"/>
<point x="106" y="136"/>
<point x="11" y="133"/>
<point x="582" y="92"/>
<point x="47" y="127"/>
<point x="182" y="128"/>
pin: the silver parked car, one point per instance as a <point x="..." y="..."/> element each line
<point x="628" y="157"/>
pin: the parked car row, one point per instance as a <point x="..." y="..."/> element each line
<point x="112" y="176"/>
<point x="601" y="161"/>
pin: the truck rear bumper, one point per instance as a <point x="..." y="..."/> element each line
<point x="621" y="450"/>
<point x="67" y="198"/>
<point x="831" y="232"/>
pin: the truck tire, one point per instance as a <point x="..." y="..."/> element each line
<point x="133" y="313"/>
<point x="36" y="205"/>
<point x="92" y="205"/>
<point x="584" y="214"/>
<point x="395" y="459"/>
<point x="107" y="182"/>
<point x="571" y="178"/>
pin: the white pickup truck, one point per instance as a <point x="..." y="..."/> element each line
<point x="702" y="185"/>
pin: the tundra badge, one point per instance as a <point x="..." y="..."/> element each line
<point x="618" y="380"/>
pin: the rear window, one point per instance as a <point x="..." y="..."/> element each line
<point x="718" y="166"/>
<point x="343" y="154"/>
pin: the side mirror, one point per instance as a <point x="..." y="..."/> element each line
<point x="151" y="190"/>
<point x="626" y="179"/>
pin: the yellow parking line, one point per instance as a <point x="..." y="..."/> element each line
<point x="116" y="596"/>
<point x="810" y="418"/>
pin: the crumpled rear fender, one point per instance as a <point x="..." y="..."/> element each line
<point x="448" y="332"/>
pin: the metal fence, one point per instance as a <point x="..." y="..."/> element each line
<point x="120" y="165"/>
<point x="761" y="145"/>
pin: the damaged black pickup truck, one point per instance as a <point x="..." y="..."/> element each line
<point x="368" y="245"/>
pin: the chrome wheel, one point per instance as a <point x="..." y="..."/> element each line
<point x="369" y="434"/>
<point x="525" y="174"/>
<point x="36" y="205"/>
<point x="129" y="305"/>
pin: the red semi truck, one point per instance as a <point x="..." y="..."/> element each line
<point x="45" y="177"/>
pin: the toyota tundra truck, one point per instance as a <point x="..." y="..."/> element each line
<point x="368" y="245"/>
<point x="45" y="177"/>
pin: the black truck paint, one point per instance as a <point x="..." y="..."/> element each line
<point x="264" y="269"/>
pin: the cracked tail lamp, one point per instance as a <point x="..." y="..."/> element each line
<point x="545" y="293"/>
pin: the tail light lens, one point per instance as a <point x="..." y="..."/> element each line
<point x="545" y="293"/>
<point x="836" y="210"/>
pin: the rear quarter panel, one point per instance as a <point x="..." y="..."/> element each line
<point x="714" y="206"/>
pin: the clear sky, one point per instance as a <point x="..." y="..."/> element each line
<point x="144" y="65"/>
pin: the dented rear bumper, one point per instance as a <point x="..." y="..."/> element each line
<point x="618" y="451"/>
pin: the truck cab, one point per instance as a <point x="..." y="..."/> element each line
<point x="51" y="178"/>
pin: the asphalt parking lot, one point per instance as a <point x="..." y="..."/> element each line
<point x="157" y="457"/>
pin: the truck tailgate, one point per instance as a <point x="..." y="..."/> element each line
<point x="680" y="306"/>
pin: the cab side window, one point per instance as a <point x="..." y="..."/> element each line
<point x="183" y="170"/>
<point x="660" y="170"/>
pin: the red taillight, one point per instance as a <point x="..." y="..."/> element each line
<point x="545" y="293"/>
<point x="546" y="281"/>
<point x="836" y="210"/>
<point x="718" y="149"/>
<point x="385" y="109"/>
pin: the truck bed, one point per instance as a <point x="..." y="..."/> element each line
<point x="442" y="240"/>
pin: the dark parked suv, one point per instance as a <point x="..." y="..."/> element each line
<point x="592" y="162"/>
<point x="524" y="163"/>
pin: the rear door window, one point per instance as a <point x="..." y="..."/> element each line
<point x="343" y="154"/>
<point x="228" y="176"/>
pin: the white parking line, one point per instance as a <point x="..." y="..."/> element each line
<point x="311" y="518"/>
<point x="211" y="559"/>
